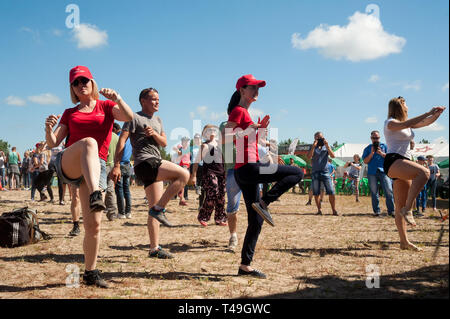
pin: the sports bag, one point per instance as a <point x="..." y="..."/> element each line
<point x="20" y="227"/>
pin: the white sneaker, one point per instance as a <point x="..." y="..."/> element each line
<point x="232" y="244"/>
<point x="121" y="216"/>
<point x="128" y="216"/>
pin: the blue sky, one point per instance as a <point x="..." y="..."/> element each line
<point x="327" y="67"/>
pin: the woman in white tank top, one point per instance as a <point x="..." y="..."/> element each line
<point x="409" y="177"/>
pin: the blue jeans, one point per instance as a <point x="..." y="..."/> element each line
<point x="33" y="183"/>
<point x="248" y="177"/>
<point x="325" y="178"/>
<point x="432" y="185"/>
<point x="2" y="176"/>
<point x="123" y="189"/>
<point x="421" y="200"/>
<point x="233" y="193"/>
<point x="386" y="185"/>
<point x="26" y="177"/>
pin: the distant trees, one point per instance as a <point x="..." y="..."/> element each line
<point x="4" y="146"/>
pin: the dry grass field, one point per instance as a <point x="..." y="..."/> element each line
<point x="304" y="256"/>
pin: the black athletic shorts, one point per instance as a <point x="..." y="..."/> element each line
<point x="390" y="159"/>
<point x="147" y="171"/>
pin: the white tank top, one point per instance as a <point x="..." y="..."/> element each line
<point x="398" y="141"/>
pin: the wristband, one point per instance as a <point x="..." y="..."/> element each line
<point x="118" y="98"/>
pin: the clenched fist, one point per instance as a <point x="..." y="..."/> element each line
<point x="110" y="94"/>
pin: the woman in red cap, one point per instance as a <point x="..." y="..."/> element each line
<point x="88" y="126"/>
<point x="250" y="172"/>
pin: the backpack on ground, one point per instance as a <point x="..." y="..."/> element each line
<point x="20" y="227"/>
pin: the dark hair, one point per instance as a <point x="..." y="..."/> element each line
<point x="116" y="126"/>
<point x="234" y="101"/>
<point x="144" y="93"/>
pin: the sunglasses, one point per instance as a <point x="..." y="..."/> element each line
<point x="374" y="138"/>
<point x="83" y="80"/>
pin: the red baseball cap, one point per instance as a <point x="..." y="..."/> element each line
<point x="249" y="80"/>
<point x="78" y="71"/>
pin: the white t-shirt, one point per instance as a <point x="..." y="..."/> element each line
<point x="398" y="141"/>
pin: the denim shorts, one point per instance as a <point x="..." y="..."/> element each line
<point x="324" y="178"/>
<point x="233" y="193"/>
<point x="77" y="181"/>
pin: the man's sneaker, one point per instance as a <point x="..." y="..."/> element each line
<point x="160" y="253"/>
<point x="160" y="216"/>
<point x="128" y="215"/>
<point x="233" y="242"/>
<point x="75" y="230"/>
<point x="254" y="273"/>
<point x="263" y="212"/>
<point x="121" y="216"/>
<point x="92" y="278"/>
<point x="61" y="202"/>
<point x="111" y="216"/>
<point x="376" y="215"/>
<point x="96" y="202"/>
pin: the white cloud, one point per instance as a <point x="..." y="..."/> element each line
<point x="201" y="110"/>
<point x="433" y="127"/>
<point x="218" y="116"/>
<point x="372" y="119"/>
<point x="254" y="113"/>
<point x="374" y="78"/>
<point x="57" y="32"/>
<point x="445" y="87"/>
<point x="192" y="115"/>
<point x="416" y="85"/>
<point x="89" y="36"/>
<point x="363" y="38"/>
<point x="45" y="99"/>
<point x="34" y="33"/>
<point x="15" y="100"/>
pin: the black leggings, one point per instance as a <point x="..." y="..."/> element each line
<point x="248" y="177"/>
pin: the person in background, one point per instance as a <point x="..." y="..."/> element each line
<point x="123" y="184"/>
<point x="353" y="174"/>
<point x="110" y="195"/>
<point x="373" y="156"/>
<point x="421" y="199"/>
<point x="61" y="185"/>
<point x="320" y="175"/>
<point x="25" y="169"/>
<point x="213" y="180"/>
<point x="13" y="161"/>
<point x="2" y="169"/>
<point x="184" y="158"/>
<point x="409" y="177"/>
<point x="432" y="181"/>
<point x="194" y="151"/>
<point x="75" y="209"/>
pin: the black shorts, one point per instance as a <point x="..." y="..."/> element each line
<point x="390" y="159"/>
<point x="147" y="171"/>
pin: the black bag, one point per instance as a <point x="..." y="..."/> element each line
<point x="19" y="228"/>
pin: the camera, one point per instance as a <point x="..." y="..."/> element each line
<point x="376" y="145"/>
<point x="320" y="142"/>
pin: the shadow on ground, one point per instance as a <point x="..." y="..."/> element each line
<point x="426" y="282"/>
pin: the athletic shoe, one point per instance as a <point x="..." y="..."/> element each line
<point x="111" y="216"/>
<point x="263" y="212"/>
<point x="75" y="230"/>
<point x="160" y="253"/>
<point x="121" y="216"/>
<point x="408" y="216"/>
<point x="233" y="242"/>
<point x="128" y="215"/>
<point x="160" y="216"/>
<point x="335" y="213"/>
<point x="61" y="202"/>
<point x="254" y="273"/>
<point x="96" y="202"/>
<point x="376" y="215"/>
<point x="92" y="278"/>
<point x="308" y="203"/>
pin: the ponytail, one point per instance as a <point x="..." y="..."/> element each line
<point x="234" y="101"/>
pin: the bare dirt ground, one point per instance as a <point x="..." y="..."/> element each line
<point x="304" y="256"/>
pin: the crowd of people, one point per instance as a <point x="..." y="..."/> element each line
<point x="87" y="150"/>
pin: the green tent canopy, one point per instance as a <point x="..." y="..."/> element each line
<point x="337" y="162"/>
<point x="443" y="164"/>
<point x="297" y="160"/>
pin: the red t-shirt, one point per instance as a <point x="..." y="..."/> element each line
<point x="247" y="147"/>
<point x="96" y="124"/>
